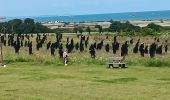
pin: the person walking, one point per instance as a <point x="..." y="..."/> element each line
<point x="65" y="57"/>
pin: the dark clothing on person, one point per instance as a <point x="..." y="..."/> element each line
<point x="107" y="48"/>
<point x="77" y="46"/>
<point x="124" y="49"/>
<point x="81" y="46"/>
<point x="146" y="49"/>
<point x="136" y="48"/>
<point x="60" y="51"/>
<point x="141" y="49"/>
<point x="152" y="50"/>
<point x="16" y="46"/>
<point x="30" y="48"/>
<point x="4" y="42"/>
<point x="92" y="51"/>
<point x="159" y="50"/>
<point x="131" y="41"/>
<point x="166" y="48"/>
<point x="115" y="47"/>
<point x="48" y="45"/>
<point x="52" y="48"/>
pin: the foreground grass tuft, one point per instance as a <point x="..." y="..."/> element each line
<point x="148" y="62"/>
<point x="157" y="63"/>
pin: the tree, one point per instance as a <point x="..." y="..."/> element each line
<point x="88" y="29"/>
<point x="80" y="29"/>
<point x="15" y="22"/>
<point x="154" y="27"/>
<point x="75" y="30"/>
<point x="27" y="26"/>
<point x="16" y="25"/>
<point x="100" y="29"/>
<point x="29" y="21"/>
<point x="147" y="31"/>
<point x="115" y="26"/>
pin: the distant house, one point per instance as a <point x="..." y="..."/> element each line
<point x="72" y="25"/>
<point x="1" y="17"/>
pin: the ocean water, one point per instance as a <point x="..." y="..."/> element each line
<point x="149" y="15"/>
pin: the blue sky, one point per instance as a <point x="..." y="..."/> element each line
<point x="15" y="8"/>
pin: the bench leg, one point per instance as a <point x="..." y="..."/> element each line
<point x="110" y="66"/>
<point x="120" y="65"/>
<point x="123" y="65"/>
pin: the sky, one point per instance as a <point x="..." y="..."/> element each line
<point x="15" y="8"/>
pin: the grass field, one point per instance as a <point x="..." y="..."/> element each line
<point x="43" y="77"/>
<point x="30" y="81"/>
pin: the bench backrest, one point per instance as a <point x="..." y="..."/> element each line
<point x="113" y="59"/>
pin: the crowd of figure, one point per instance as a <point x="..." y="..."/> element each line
<point x="70" y="45"/>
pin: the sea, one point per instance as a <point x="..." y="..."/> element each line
<point x="147" y="15"/>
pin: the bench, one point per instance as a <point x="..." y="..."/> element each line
<point x="116" y="61"/>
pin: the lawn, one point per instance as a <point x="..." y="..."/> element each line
<point x="43" y="77"/>
<point x="30" y="81"/>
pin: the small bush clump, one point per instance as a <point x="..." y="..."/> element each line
<point x="157" y="63"/>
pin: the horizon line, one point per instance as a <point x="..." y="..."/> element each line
<point x="80" y="14"/>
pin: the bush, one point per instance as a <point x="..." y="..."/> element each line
<point x="147" y="31"/>
<point x="148" y="62"/>
<point x="157" y="63"/>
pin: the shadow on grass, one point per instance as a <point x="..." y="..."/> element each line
<point x="118" y="81"/>
<point x="44" y="77"/>
<point x="164" y="79"/>
<point x="92" y="72"/>
<point x="12" y="90"/>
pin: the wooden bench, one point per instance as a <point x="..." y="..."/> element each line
<point x="116" y="61"/>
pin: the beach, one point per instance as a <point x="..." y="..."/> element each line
<point x="105" y="24"/>
<point x="164" y="23"/>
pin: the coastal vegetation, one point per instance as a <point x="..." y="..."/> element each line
<point x="28" y="26"/>
<point x="19" y="26"/>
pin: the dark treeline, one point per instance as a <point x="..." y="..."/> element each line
<point x="129" y="29"/>
<point x="29" y="26"/>
<point x="117" y="26"/>
<point x="23" y="27"/>
<point x="123" y="27"/>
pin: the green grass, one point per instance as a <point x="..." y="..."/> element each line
<point x="43" y="77"/>
<point x="34" y="81"/>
